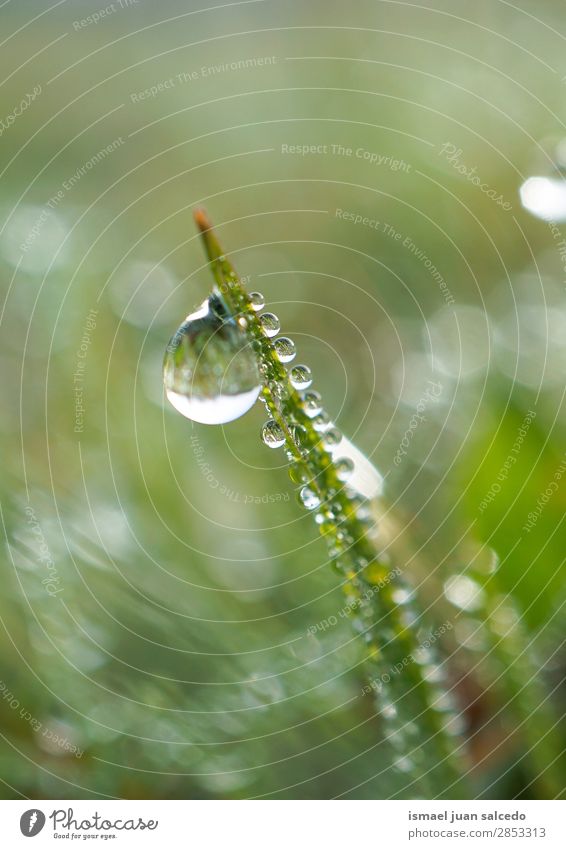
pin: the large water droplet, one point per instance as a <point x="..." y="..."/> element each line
<point x="209" y="370"/>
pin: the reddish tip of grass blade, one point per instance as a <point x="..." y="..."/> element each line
<point x="202" y="220"/>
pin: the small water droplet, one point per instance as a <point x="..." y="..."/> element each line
<point x="298" y="434"/>
<point x="309" y="498"/>
<point x="504" y="619"/>
<point x="358" y="625"/>
<point x="363" y="514"/>
<point x="433" y="673"/>
<point x="337" y="549"/>
<point x="273" y="434"/>
<point x="344" y="468"/>
<point x="408" y="617"/>
<point x="285" y="349"/>
<point x="423" y="656"/>
<point x="331" y="437"/>
<point x="301" y="377"/>
<point x="470" y="634"/>
<point x="338" y="566"/>
<point x="270" y="323"/>
<point x="397" y="739"/>
<point x="442" y="701"/>
<point x="321" y="422"/>
<point x="325" y="527"/>
<point x="279" y="389"/>
<point x="365" y="479"/>
<point x="325" y="515"/>
<point x="388" y="710"/>
<point x="257" y="301"/>
<point x="312" y="404"/>
<point x="209" y="370"/>
<point x="455" y="725"/>
<point x="404" y="764"/>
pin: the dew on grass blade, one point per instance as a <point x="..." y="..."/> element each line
<point x="270" y="324"/>
<point x="257" y="301"/>
<point x="285" y="349"/>
<point x="321" y="422"/>
<point x="344" y="468"/>
<point x="312" y="404"/>
<point x="210" y="371"/>
<point x="331" y="438"/>
<point x="352" y="464"/>
<point x="309" y="498"/>
<point x="301" y="377"/>
<point x="272" y="434"/>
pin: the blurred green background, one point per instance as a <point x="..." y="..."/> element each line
<point x="155" y="598"/>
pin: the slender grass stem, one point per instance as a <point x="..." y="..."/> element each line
<point x="415" y="710"/>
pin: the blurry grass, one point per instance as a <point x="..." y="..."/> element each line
<point x="293" y="703"/>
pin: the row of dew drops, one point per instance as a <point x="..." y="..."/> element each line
<point x="403" y="733"/>
<point x="300" y="377"/>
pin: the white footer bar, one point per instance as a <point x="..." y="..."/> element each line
<point x="283" y="824"/>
